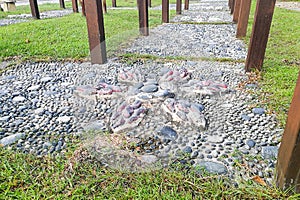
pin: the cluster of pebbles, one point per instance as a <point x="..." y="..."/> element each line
<point x="43" y="105"/>
<point x="190" y="40"/>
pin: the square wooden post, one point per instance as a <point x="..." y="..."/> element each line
<point x="232" y="2"/>
<point x="114" y="3"/>
<point x="236" y="11"/>
<point x="243" y="18"/>
<point x="288" y="162"/>
<point x="186" y="4"/>
<point x="62" y="4"/>
<point x="34" y="9"/>
<point x="260" y="33"/>
<point x="143" y="17"/>
<point x="75" y="6"/>
<point x="165" y="11"/>
<point x="96" y="34"/>
<point x="178" y="7"/>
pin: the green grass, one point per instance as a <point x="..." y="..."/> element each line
<point x="282" y="61"/>
<point x="66" y="37"/>
<point x="27" y="177"/>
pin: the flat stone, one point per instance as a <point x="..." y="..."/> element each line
<point x="18" y="99"/>
<point x="258" y="111"/>
<point x="245" y="117"/>
<point x="11" y="139"/>
<point x="94" y="126"/>
<point x="149" y="159"/>
<point x="269" y="152"/>
<point x="227" y="105"/>
<point x="34" y="87"/>
<point x="46" y="79"/>
<point x="215" y="139"/>
<point x="39" y="111"/>
<point x="4" y="118"/>
<point x="149" y="88"/>
<point x="64" y="119"/>
<point x="168" y="132"/>
<point x="212" y="167"/>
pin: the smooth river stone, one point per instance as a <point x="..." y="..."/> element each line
<point x="149" y="88"/>
<point x="11" y="139"/>
<point x="212" y="167"/>
<point x="19" y="99"/>
<point x="258" y="111"/>
<point x="168" y="133"/>
<point x="33" y="88"/>
<point x="215" y="139"/>
<point x="64" y="119"/>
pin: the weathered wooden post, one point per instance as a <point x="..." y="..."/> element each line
<point x="96" y="34"/>
<point x="165" y="11"/>
<point x="178" y="7"/>
<point x="104" y="6"/>
<point x="288" y="161"/>
<point x="34" y="9"/>
<point x="82" y="7"/>
<point x="260" y="33"/>
<point x="186" y="4"/>
<point x="149" y="3"/>
<point x="143" y="17"/>
<point x="62" y="4"/>
<point x="114" y="3"/>
<point x="243" y="18"/>
<point x="236" y="11"/>
<point x="75" y="6"/>
<point x="232" y="2"/>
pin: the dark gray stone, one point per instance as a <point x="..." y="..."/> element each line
<point x="250" y="143"/>
<point x="168" y="133"/>
<point x="187" y="149"/>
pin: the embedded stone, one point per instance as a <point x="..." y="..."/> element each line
<point x="168" y="132"/>
<point x="212" y="167"/>
<point x="149" y="88"/>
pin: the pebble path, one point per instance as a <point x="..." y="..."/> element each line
<point x="200" y="113"/>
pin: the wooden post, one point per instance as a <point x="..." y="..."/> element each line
<point x="232" y="2"/>
<point x="186" y="4"/>
<point x="143" y="17"/>
<point x="243" y="18"/>
<point x="82" y="7"/>
<point x="236" y="11"/>
<point x="95" y="25"/>
<point x="114" y="3"/>
<point x="149" y="3"/>
<point x="178" y="7"/>
<point x="260" y="33"/>
<point x="104" y="6"/>
<point x="34" y="9"/>
<point x="165" y="11"/>
<point x="62" y="4"/>
<point x="288" y="162"/>
<point x="75" y="6"/>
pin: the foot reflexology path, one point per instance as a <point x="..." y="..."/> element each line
<point x="149" y="113"/>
